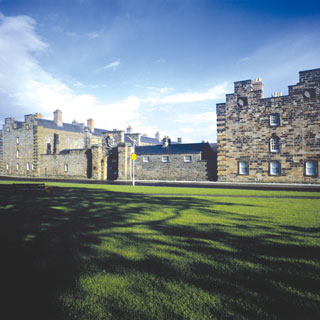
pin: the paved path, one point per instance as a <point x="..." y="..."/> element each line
<point x="229" y="196"/>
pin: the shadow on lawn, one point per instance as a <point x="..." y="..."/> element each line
<point x="46" y="244"/>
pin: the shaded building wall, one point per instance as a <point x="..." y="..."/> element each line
<point x="18" y="153"/>
<point x="69" y="165"/>
<point x="244" y="131"/>
<point x="124" y="161"/>
<point x="67" y="140"/>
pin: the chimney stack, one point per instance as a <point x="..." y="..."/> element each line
<point x="179" y="140"/>
<point x="38" y="115"/>
<point x="129" y="129"/>
<point x="90" y="124"/>
<point x="166" y="141"/>
<point x="157" y="136"/>
<point x="57" y="116"/>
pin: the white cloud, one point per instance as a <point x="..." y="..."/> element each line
<point x="214" y="93"/>
<point x="71" y="34"/>
<point x="93" y="35"/>
<point x="156" y="90"/>
<point x="197" y="119"/>
<point x="111" y="66"/>
<point x="25" y="84"/>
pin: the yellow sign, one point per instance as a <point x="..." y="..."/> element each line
<point x="133" y="156"/>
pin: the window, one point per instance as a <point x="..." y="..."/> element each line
<point x="32" y="167"/>
<point x="275" y="168"/>
<point x="66" y="168"/>
<point x="146" y="158"/>
<point x="17" y="166"/>
<point x="187" y="158"/>
<point x="17" y="154"/>
<point x="8" y="129"/>
<point x="48" y="148"/>
<point x="17" y="140"/>
<point x="243" y="168"/>
<point x="311" y="168"/>
<point x="274" y="120"/>
<point x="275" y="144"/>
<point x="28" y="166"/>
<point x="165" y="158"/>
<point x="7" y="166"/>
<point x="27" y="127"/>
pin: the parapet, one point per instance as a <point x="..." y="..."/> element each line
<point x="309" y="75"/>
<point x="245" y="87"/>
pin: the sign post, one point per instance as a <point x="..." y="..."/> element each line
<point x="133" y="158"/>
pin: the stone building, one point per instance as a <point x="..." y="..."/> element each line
<point x="179" y="162"/>
<point x="274" y="139"/>
<point x="41" y="148"/>
<point x="38" y="147"/>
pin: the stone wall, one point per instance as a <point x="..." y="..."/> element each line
<point x="69" y="165"/>
<point x="176" y="169"/>
<point x="18" y="152"/>
<point x="244" y="131"/>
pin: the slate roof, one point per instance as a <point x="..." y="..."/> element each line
<point x="50" y="124"/>
<point x="150" y="140"/>
<point x="179" y="148"/>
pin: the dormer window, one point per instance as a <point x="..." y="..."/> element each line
<point x="187" y="159"/>
<point x="274" y="120"/>
<point x="275" y="144"/>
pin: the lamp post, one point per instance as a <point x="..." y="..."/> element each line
<point x="133" y="158"/>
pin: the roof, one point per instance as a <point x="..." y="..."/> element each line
<point x="150" y="140"/>
<point x="180" y="148"/>
<point x="50" y="124"/>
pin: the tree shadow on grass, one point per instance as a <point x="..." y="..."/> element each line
<point x="49" y="241"/>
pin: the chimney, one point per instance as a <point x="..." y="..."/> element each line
<point x="90" y="124"/>
<point x="179" y="140"/>
<point x="57" y="116"/>
<point x="38" y="115"/>
<point x="75" y="121"/>
<point x="165" y="142"/>
<point x="129" y="129"/>
<point x="157" y="135"/>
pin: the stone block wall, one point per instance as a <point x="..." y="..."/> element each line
<point x="70" y="165"/>
<point x="176" y="169"/>
<point x="244" y="131"/>
<point x="17" y="149"/>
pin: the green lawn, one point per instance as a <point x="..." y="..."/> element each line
<point x="118" y="252"/>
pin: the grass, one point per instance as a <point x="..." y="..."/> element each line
<point x="117" y="252"/>
<point x="177" y="190"/>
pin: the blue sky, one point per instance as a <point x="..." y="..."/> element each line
<point x="157" y="65"/>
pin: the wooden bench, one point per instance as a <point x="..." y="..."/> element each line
<point x="31" y="187"/>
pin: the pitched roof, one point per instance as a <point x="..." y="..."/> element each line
<point x="50" y="124"/>
<point x="145" y="139"/>
<point x="172" y="148"/>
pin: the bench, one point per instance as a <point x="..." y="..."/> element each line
<point x="31" y="187"/>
